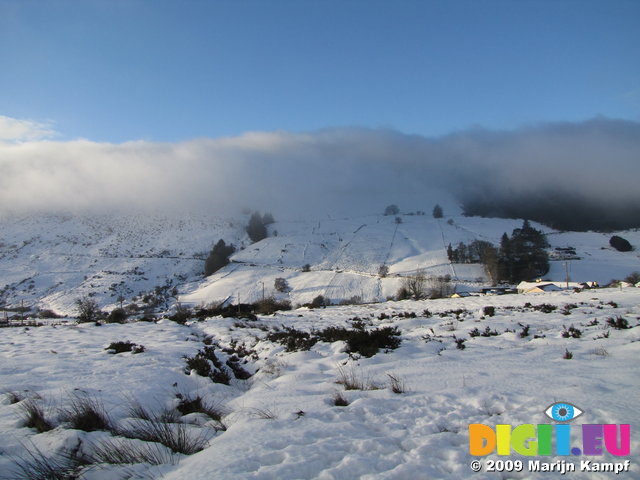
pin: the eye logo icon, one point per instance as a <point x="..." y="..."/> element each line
<point x="563" y="412"/>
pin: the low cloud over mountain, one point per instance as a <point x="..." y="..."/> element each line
<point x="570" y="175"/>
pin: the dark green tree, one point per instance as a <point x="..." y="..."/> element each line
<point x="218" y="257"/>
<point x="437" y="211"/>
<point x="523" y="256"/>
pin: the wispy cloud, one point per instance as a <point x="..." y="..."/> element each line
<point x="331" y="171"/>
<point x="12" y="129"/>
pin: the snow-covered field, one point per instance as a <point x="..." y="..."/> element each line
<point x="282" y="422"/>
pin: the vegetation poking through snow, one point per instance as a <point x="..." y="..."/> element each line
<point x="124" y="346"/>
<point x="292" y="339"/>
<point x="359" y="341"/>
<point x="87" y="413"/>
<point x="459" y="343"/>
<point x="206" y="364"/>
<point x="34" y="416"/>
<point x="487" y="332"/>
<point x="571" y="332"/>
<point x="339" y="400"/>
<point x="619" y="323"/>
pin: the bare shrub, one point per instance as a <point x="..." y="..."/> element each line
<point x="396" y="384"/>
<point x="281" y="285"/>
<point x="599" y="352"/>
<point x="354" y="379"/>
<point x="87" y="308"/>
<point x="415" y="285"/>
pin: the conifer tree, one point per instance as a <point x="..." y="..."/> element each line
<point x="256" y="229"/>
<point x="218" y="257"/>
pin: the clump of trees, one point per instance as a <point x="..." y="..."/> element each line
<point x="476" y="252"/>
<point x="218" y="257"/>
<point x="523" y="256"/>
<point x="257" y="228"/>
<point x="520" y="257"/>
<point x="437" y="211"/>
<point x="419" y="286"/>
<point x="391" y="210"/>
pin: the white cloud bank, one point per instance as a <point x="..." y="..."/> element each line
<point x="12" y="129"/>
<point x="347" y="170"/>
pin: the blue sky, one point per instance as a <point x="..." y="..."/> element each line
<point x="167" y="71"/>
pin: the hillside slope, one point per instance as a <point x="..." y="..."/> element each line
<point x="49" y="261"/>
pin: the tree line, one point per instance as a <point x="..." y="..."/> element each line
<point x="521" y="256"/>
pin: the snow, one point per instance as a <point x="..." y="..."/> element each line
<point x="282" y="423"/>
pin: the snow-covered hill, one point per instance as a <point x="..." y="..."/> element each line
<point x="491" y="360"/>
<point x="48" y="262"/>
